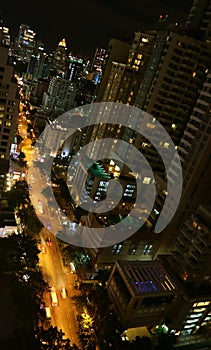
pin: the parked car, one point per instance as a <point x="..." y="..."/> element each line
<point x="48" y="312"/>
<point x="63" y="293"/>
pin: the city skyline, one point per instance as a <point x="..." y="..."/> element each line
<point x="89" y="24"/>
<point x="105" y="209"/>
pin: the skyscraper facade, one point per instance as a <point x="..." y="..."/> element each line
<point x="9" y="104"/>
<point x="25" y="43"/>
<point x="59" y="64"/>
<point x="60" y="96"/>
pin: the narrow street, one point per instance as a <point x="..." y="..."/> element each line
<point x="63" y="316"/>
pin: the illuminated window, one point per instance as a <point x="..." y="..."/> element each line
<point x="189" y="326"/>
<point x="116" y="249"/>
<point x="173" y="126"/>
<point x="146" y="180"/>
<point x="166" y="145"/>
<point x="2" y="108"/>
<point x="137" y="62"/>
<point x="200" y="310"/>
<point x="139" y="56"/>
<point x="202" y="303"/>
<point x="150" y="125"/>
<point x="193" y="74"/>
<point x="2" y="156"/>
<point x="1" y="115"/>
<point x="8" y="123"/>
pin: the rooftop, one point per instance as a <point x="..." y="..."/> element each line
<point x="148" y="277"/>
<point x="97" y="170"/>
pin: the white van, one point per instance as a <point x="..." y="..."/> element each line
<point x="54" y="297"/>
<point x="48" y="312"/>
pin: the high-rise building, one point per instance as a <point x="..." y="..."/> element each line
<point x="40" y="87"/>
<point x="179" y="72"/>
<point x="97" y="65"/>
<point x="9" y="104"/>
<point x="151" y="294"/>
<point x="199" y="19"/>
<point x="59" y="65"/>
<point x="39" y="64"/>
<point x="76" y="69"/>
<point x="194" y="152"/>
<point x="98" y="60"/>
<point x="192" y="250"/>
<point x="25" y="43"/>
<point x="142" y="292"/>
<point x="4" y="35"/>
<point x="117" y="51"/>
<point x="124" y="78"/>
<point x="142" y="246"/>
<point x="60" y="96"/>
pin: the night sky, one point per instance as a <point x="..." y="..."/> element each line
<point x="87" y="24"/>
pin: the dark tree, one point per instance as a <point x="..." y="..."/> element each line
<point x="52" y="339"/>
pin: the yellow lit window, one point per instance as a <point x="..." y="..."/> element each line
<point x="8" y="124"/>
<point x="139" y="56"/>
<point x="146" y="180"/>
<point x="202" y="303"/>
<point x="150" y="126"/>
<point x="193" y="74"/>
<point x="166" y="145"/>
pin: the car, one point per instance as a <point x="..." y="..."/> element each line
<point x="63" y="293"/>
<point x="47" y="312"/>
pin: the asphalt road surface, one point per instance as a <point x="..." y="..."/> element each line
<point x="58" y="276"/>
